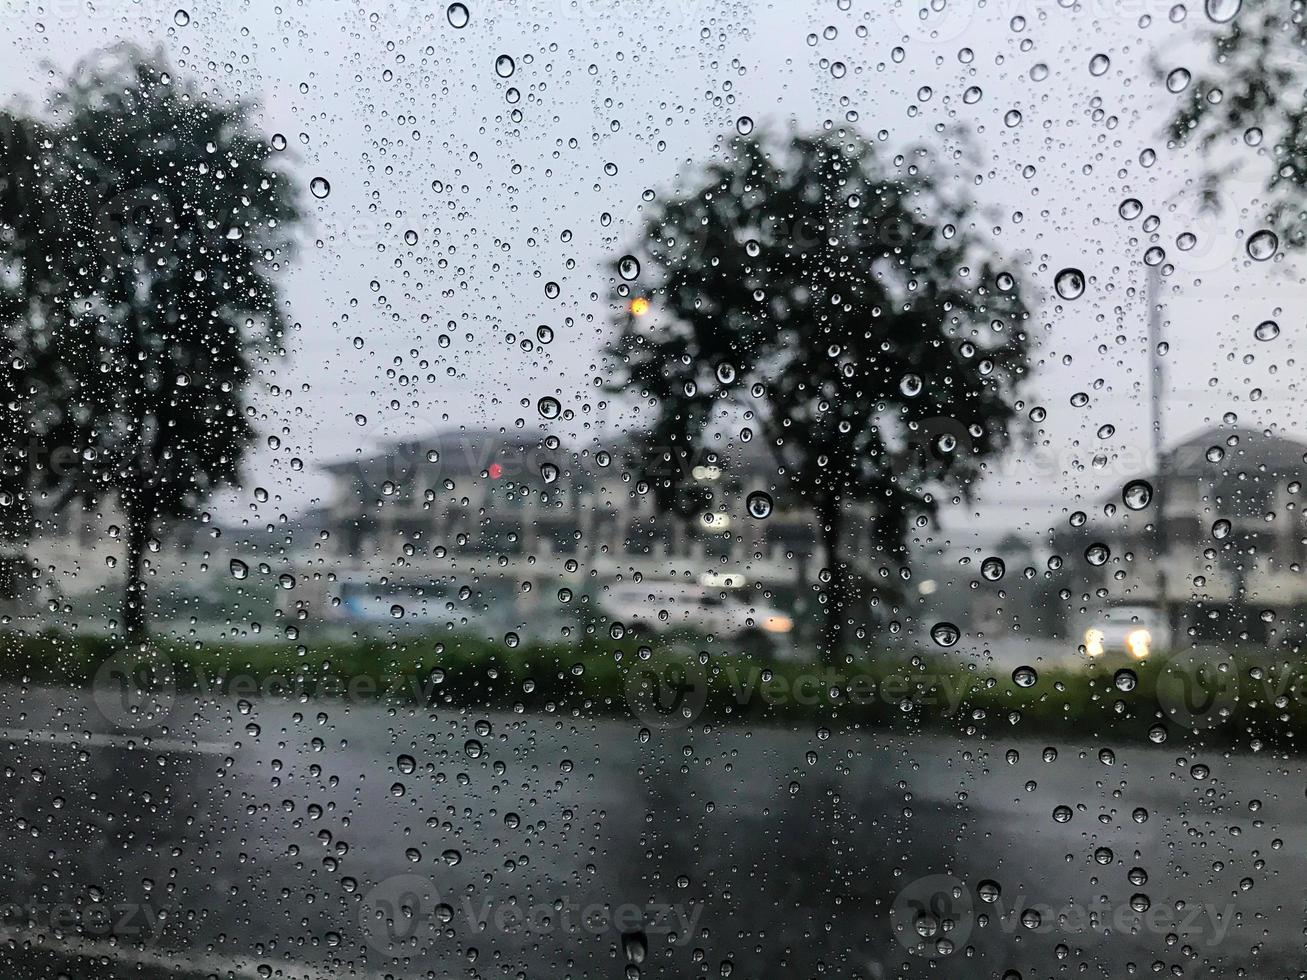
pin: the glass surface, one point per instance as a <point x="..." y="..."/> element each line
<point x="681" y="489"/>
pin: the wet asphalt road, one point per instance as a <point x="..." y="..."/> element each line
<point x="326" y="839"/>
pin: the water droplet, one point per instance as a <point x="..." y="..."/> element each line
<point x="1099" y="64"/>
<point x="1221" y="529"/>
<point x="1097" y="554"/>
<point x="989" y="891"/>
<point x="1223" y="11"/>
<point x="549" y="407"/>
<point x="1178" y="80"/>
<point x="1062" y="813"/>
<point x="406" y="764"/>
<point x="911" y="385"/>
<point x="1262" y="245"/>
<point x="628" y="267"/>
<point x="1267" y="330"/>
<point x="993" y="568"/>
<point x="744" y="125"/>
<point x="181" y="18"/>
<point x="945" y="634"/>
<point x="457" y="15"/>
<point x="505" y="66"/>
<point x="1131" y="208"/>
<point x="1137" y="494"/>
<point x="759" y="504"/>
<point x="1069" y="283"/>
<point x="635" y="946"/>
<point x="319" y="187"/>
<point x="1125" y="679"/>
<point x="238" y="568"/>
<point x="1025" y="676"/>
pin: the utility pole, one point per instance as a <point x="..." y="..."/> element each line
<point x="1157" y="370"/>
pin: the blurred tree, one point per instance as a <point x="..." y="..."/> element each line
<point x="842" y="309"/>
<point x="144" y="278"/>
<point x="22" y="373"/>
<point x="1252" y="96"/>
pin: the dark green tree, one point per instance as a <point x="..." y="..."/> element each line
<point x="1249" y="103"/>
<point x="850" y="308"/>
<point x="145" y="274"/>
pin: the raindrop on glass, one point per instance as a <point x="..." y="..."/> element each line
<point x="1262" y="245"/>
<point x="1137" y="494"/>
<point x="945" y="634"/>
<point x="759" y="504"/>
<point x="1069" y="283"/>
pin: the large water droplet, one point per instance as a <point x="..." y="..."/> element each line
<point x="319" y="187"/>
<point x="1262" y="245"/>
<point x="1069" y="283"/>
<point x="945" y="634"/>
<point x="1137" y="494"/>
<point x="1223" y="11"/>
<point x="759" y="504"/>
<point x="628" y="267"/>
<point x="1267" y="330"/>
<point x="504" y="66"/>
<point x="457" y="15"/>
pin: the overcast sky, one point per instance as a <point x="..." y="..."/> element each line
<point x="408" y="119"/>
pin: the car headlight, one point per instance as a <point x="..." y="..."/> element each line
<point x="1094" y="642"/>
<point x="778" y="624"/>
<point x="1138" y="642"/>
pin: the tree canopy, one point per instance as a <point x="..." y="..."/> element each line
<point x="844" y="311"/>
<point x="143" y="221"/>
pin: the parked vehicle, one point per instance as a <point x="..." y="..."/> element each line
<point x="663" y="607"/>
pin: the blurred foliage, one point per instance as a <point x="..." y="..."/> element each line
<point x="840" y="309"/>
<point x="141" y="223"/>
<point x="1251" y="95"/>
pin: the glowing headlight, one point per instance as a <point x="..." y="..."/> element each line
<point x="778" y="624"/>
<point x="1138" y="641"/>
<point x="1094" y="642"/>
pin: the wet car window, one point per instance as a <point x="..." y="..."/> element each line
<point x="669" y="490"/>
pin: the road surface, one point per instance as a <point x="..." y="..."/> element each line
<point x="275" y="838"/>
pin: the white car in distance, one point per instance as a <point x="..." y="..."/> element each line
<point x="654" y="608"/>
<point x="1136" y="630"/>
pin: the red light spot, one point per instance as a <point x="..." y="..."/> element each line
<point x="496" y="471"/>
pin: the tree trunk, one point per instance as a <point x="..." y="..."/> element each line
<point x="831" y="519"/>
<point x="133" y="610"/>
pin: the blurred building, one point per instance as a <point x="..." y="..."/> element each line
<point x="513" y="519"/>
<point x="1225" y="510"/>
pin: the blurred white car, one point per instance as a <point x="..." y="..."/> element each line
<point x="1136" y="630"/>
<point x="660" y="607"/>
